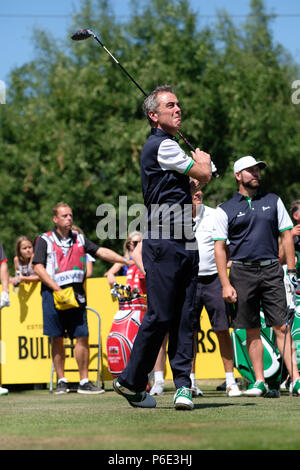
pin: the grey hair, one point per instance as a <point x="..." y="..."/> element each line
<point x="151" y="102"/>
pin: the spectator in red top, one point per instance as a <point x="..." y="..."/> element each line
<point x="134" y="276"/>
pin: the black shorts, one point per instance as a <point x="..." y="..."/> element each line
<point x="258" y="288"/>
<point x="209" y="295"/>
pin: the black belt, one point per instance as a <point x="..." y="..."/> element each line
<point x="265" y="262"/>
<point x="207" y="276"/>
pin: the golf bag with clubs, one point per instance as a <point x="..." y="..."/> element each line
<point x="275" y="371"/>
<point x="271" y="358"/>
<point x="125" y="326"/>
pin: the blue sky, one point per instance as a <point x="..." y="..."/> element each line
<point x="18" y="17"/>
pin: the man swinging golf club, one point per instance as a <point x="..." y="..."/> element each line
<point x="171" y="269"/>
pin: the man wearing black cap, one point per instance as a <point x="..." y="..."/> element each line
<point x="252" y="222"/>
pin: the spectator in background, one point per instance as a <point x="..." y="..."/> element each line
<point x="295" y="215"/>
<point x="24" y="270"/>
<point x="118" y="269"/>
<point x="252" y="222"/>
<point x="208" y="295"/>
<point x="209" y="289"/>
<point x="4" y="298"/>
<point x="59" y="262"/>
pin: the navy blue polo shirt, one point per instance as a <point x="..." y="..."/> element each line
<point x="252" y="226"/>
<point x="166" y="188"/>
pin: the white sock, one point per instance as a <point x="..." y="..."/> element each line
<point x="159" y="376"/>
<point x="84" y="381"/>
<point x="63" y="379"/>
<point x="230" y="380"/>
<point x="193" y="379"/>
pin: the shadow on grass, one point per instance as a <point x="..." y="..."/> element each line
<point x="219" y="405"/>
<point x="202" y="406"/>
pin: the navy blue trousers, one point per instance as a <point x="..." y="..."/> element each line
<point x="171" y="279"/>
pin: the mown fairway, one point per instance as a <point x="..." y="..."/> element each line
<point x="39" y="420"/>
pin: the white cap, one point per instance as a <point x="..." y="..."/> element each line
<point x="247" y="162"/>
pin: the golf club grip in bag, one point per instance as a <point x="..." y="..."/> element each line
<point x="271" y="357"/>
<point x="123" y="332"/>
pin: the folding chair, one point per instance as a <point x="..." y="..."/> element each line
<point x="99" y="356"/>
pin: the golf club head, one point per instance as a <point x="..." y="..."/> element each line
<point x="82" y="34"/>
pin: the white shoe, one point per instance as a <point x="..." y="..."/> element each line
<point x="3" y="391"/>
<point x="183" y="399"/>
<point x="233" y="390"/>
<point x="295" y="388"/>
<point x="196" y="392"/>
<point x="258" y="389"/>
<point x="157" y="388"/>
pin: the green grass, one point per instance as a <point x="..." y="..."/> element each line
<point x="39" y="420"/>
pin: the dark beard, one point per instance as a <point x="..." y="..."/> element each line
<point x="250" y="185"/>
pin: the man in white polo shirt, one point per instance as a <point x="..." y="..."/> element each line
<point x="252" y="222"/>
<point x="209" y="289"/>
<point x="208" y="295"/>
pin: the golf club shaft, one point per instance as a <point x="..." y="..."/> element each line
<point x="290" y="312"/>
<point x="283" y="351"/>
<point x="215" y="174"/>
<point x="120" y="65"/>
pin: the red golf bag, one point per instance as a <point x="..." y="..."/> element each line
<point x="123" y="332"/>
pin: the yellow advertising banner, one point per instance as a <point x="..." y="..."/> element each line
<point x="26" y="352"/>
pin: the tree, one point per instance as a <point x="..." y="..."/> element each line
<point x="73" y="128"/>
<point x="256" y="100"/>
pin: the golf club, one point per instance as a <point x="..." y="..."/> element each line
<point x="83" y="34"/>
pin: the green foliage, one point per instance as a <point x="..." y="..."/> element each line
<point x="73" y="127"/>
